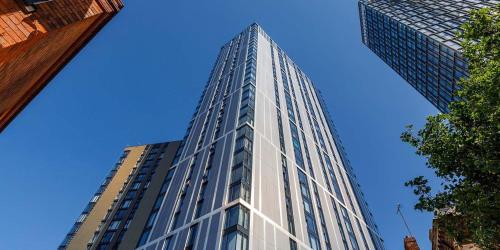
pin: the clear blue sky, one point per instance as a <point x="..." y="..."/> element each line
<point x="139" y="80"/>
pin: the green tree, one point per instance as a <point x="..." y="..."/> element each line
<point x="463" y="146"/>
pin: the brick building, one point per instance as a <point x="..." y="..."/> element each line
<point x="37" y="38"/>
<point x="410" y="243"/>
<point x="440" y="240"/>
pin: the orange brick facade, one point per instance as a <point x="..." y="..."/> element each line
<point x="35" y="46"/>
<point x="410" y="243"/>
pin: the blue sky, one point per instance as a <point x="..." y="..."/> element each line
<point x="138" y="82"/>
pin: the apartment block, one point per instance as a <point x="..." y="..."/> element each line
<point x="261" y="165"/>
<point x="417" y="39"/>
<point x="118" y="211"/>
<point x="37" y="39"/>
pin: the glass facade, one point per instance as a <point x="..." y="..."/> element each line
<point x="417" y="40"/>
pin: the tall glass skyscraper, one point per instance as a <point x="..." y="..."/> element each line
<point x="417" y="40"/>
<point x="261" y="165"/>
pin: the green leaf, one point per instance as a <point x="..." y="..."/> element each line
<point x="463" y="146"/>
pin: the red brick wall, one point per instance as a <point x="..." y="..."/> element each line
<point x="17" y="26"/>
<point x="410" y="243"/>
<point x="34" y="47"/>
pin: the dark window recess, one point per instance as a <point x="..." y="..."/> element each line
<point x="192" y="237"/>
<point x="35" y="1"/>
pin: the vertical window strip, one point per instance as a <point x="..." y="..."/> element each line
<point x="113" y="233"/>
<point x="320" y="118"/>
<point x="376" y="240"/>
<point x="174" y="223"/>
<point x="363" y="206"/>
<point x="192" y="235"/>
<point x="316" y="128"/>
<point x="237" y="225"/>
<point x="204" y="182"/>
<point x="219" y="119"/>
<point x="325" y="175"/>
<point x="293" y="244"/>
<point x="247" y="105"/>
<point x="318" y="201"/>
<point x="342" y="176"/>
<point x="304" y="89"/>
<point x="204" y="129"/>
<point x="299" y="159"/>
<point x="286" y="87"/>
<point x="292" y="88"/>
<point x="227" y="53"/>
<point x="312" y="229"/>
<point x="333" y="177"/>
<point x="365" y="243"/>
<point x="313" y="128"/>
<point x="156" y="208"/>
<point x="278" y="104"/>
<point x="308" y="157"/>
<point x="215" y="96"/>
<point x="309" y="105"/>
<point x="288" y="197"/>
<point x="284" y="165"/>
<point x="296" y="146"/>
<point x="227" y="89"/>
<point x="242" y="158"/>
<point x="350" y="230"/>
<point x="339" y="223"/>
<point x="322" y="217"/>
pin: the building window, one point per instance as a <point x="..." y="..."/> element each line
<point x="127" y="224"/>
<point x="234" y="241"/>
<point x="95" y="198"/>
<point x="199" y="207"/>
<point x="236" y="227"/>
<point x="242" y="165"/>
<point x="237" y="216"/>
<point x="193" y="230"/>
<point x="168" y="244"/>
<point x="126" y="204"/>
<point x="312" y="229"/>
<point x="35" y="1"/>
<point x="293" y="245"/>
<point x="350" y="231"/>
<point x="114" y="225"/>
<point x="106" y="238"/>
<point x="152" y="216"/>
<point x="144" y="238"/>
<point x="82" y="218"/>
<point x="136" y="185"/>
<point x="339" y="223"/>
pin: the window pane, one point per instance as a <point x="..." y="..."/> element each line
<point x="229" y="242"/>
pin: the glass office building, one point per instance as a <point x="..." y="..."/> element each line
<point x="261" y="165"/>
<point x="417" y="40"/>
